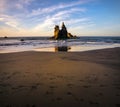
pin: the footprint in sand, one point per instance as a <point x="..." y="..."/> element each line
<point x="49" y="93"/>
<point x="69" y="93"/>
<point x="8" y="77"/>
<point x="75" y="97"/>
<point x="35" y="86"/>
<point x="70" y="85"/>
<point x="52" y="78"/>
<point x="87" y="86"/>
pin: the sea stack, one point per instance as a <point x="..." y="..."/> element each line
<point x="61" y="33"/>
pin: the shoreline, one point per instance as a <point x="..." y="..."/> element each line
<point x="60" y="79"/>
<point x="57" y="49"/>
<point x="42" y="44"/>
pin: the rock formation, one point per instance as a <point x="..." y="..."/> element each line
<point x="62" y="33"/>
<point x="56" y="32"/>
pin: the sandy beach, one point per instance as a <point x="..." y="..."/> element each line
<point x="61" y="79"/>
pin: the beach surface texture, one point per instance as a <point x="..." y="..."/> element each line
<point x="61" y="79"/>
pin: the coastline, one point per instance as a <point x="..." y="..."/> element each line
<point x="60" y="79"/>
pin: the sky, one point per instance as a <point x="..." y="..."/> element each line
<point x="38" y="17"/>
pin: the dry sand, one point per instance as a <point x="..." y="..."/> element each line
<point x="75" y="79"/>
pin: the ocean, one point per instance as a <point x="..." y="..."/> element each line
<point x="44" y="44"/>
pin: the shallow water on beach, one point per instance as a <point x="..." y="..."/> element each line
<point x="44" y="44"/>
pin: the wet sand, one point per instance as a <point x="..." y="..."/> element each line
<point x="61" y="79"/>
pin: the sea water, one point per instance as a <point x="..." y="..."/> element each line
<point x="45" y="44"/>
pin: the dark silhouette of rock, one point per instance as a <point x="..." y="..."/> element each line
<point x="70" y="35"/>
<point x="62" y="34"/>
<point x="5" y="37"/>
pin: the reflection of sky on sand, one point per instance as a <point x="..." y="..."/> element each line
<point x="54" y="49"/>
<point x="51" y="49"/>
<point x="12" y="49"/>
<point x="74" y="48"/>
<point x="87" y="48"/>
<point x="77" y="48"/>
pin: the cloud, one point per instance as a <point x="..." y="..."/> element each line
<point x="7" y="6"/>
<point x="9" y="21"/>
<point x="74" y="21"/>
<point x="72" y="10"/>
<point x="22" y="3"/>
<point x="51" y="20"/>
<point x="46" y="10"/>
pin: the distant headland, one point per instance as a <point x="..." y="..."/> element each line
<point x="62" y="33"/>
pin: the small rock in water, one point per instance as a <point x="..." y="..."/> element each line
<point x="21" y="39"/>
<point x="5" y="37"/>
